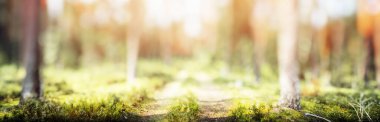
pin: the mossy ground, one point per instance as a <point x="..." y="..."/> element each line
<point x="101" y="94"/>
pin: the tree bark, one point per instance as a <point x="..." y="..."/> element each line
<point x="287" y="47"/>
<point x="32" y="84"/>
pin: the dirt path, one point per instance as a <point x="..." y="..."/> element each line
<point x="162" y="99"/>
<point x="214" y="102"/>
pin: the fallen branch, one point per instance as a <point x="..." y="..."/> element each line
<point x="313" y="115"/>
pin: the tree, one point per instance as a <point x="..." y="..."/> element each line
<point x="287" y="46"/>
<point x="31" y="87"/>
<point x="134" y="32"/>
<point x="240" y="15"/>
<point x="368" y="25"/>
<point x="4" y="36"/>
<point x="259" y="23"/>
<point x="8" y="45"/>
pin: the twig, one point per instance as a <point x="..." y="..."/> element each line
<point x="309" y="114"/>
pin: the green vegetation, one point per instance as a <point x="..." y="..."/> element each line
<point x="189" y="60"/>
<point x="185" y="109"/>
<point x="334" y="105"/>
<point x="79" y="95"/>
<point x="263" y="112"/>
<point x="101" y="94"/>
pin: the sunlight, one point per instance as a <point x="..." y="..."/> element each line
<point x="87" y="1"/>
<point x="158" y="11"/>
<point x="171" y="91"/>
<point x="55" y="8"/>
<point x="193" y="26"/>
<point x="119" y="13"/>
<point x="338" y="8"/>
<point x="102" y="15"/>
<point x="189" y="60"/>
<point x="163" y="13"/>
<point x="319" y="19"/>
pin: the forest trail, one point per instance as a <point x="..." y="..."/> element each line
<point x="214" y="102"/>
<point x="162" y="99"/>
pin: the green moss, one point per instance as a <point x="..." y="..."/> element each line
<point x="242" y="113"/>
<point x="101" y="93"/>
<point x="183" y="110"/>
<point x="284" y="114"/>
<point x="332" y="105"/>
<point x="264" y="112"/>
<point x="340" y="106"/>
<point x="34" y="110"/>
<point x="78" y="95"/>
<point x="332" y="112"/>
<point x="114" y="107"/>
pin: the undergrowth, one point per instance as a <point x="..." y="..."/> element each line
<point x="184" y="109"/>
<point x="330" y="106"/>
<point x="78" y="95"/>
<point x="102" y="94"/>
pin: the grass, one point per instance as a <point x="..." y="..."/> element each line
<point x="93" y="94"/>
<point x="247" y="112"/>
<point x="107" y="109"/>
<point x="337" y="105"/>
<point x="185" y="109"/>
<point x="362" y="107"/>
<point x="101" y="94"/>
<point x="113" y="107"/>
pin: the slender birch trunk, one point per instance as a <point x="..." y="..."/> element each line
<point x="134" y="32"/>
<point x="287" y="47"/>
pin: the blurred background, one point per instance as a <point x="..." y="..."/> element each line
<point x="336" y="39"/>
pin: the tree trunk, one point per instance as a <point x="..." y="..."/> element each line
<point x="369" y="61"/>
<point x="134" y="32"/>
<point x="368" y="26"/>
<point x="377" y="48"/>
<point x="260" y="29"/>
<point x="287" y="47"/>
<point x="165" y="39"/>
<point x="32" y="85"/>
<point x="260" y="37"/>
<point x="6" y="44"/>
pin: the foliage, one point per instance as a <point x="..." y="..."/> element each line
<point x="101" y="94"/>
<point x="361" y="107"/>
<point x="78" y="95"/>
<point x="335" y="105"/>
<point x="184" y="110"/>
<point x="74" y="111"/>
<point x="264" y="112"/>
<point x="343" y="106"/>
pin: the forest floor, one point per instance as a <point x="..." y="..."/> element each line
<point x="195" y="90"/>
<point x="214" y="102"/>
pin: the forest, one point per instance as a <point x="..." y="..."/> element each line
<point x="190" y="60"/>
